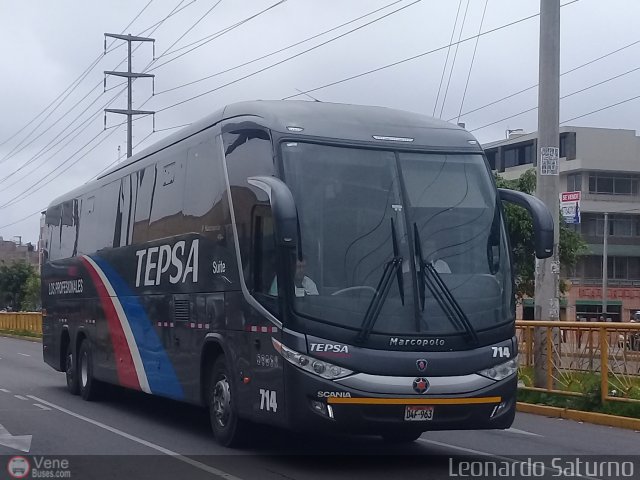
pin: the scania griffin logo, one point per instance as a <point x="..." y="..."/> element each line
<point x="420" y="385"/>
<point x="421" y="364"/>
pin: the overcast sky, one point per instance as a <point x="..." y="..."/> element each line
<point x="45" y="45"/>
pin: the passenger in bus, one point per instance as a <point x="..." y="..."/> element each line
<point x="303" y="284"/>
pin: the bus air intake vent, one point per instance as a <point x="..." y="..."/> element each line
<point x="182" y="310"/>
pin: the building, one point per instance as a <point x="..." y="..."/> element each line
<point x="11" y="251"/>
<point x="604" y="165"/>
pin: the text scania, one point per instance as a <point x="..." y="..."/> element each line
<point x="64" y="287"/>
<point x="415" y="342"/>
<point x="175" y="264"/>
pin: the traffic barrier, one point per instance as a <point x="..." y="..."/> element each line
<point x="21" y="322"/>
<point x="580" y="358"/>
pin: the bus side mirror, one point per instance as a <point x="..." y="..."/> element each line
<point x="542" y="219"/>
<point x="283" y="207"/>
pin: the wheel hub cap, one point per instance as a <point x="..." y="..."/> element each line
<point x="222" y="402"/>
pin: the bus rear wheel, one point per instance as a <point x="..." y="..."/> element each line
<point x="89" y="387"/>
<point x="70" y="371"/>
<point x="228" y="428"/>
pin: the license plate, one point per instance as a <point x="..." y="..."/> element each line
<point x="418" y="413"/>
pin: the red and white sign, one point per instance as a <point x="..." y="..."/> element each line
<point x="570" y="197"/>
<point x="570" y="206"/>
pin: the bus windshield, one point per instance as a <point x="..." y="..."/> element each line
<point x="443" y="212"/>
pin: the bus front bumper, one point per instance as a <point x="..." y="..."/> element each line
<point x="323" y="405"/>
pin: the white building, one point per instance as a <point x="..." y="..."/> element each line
<point x="604" y="165"/>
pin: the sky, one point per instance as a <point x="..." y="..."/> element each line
<point x="52" y="136"/>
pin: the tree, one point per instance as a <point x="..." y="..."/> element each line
<point x="521" y="235"/>
<point x="13" y="277"/>
<point x="31" y="294"/>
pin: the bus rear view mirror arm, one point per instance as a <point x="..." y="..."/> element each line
<point x="283" y="207"/>
<point x="542" y="219"/>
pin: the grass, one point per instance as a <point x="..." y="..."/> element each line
<point x="21" y="333"/>
<point x="588" y="384"/>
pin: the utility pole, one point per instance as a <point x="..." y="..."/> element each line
<point x="547" y="277"/>
<point x="605" y="266"/>
<point x="129" y="76"/>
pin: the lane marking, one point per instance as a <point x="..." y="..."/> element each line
<point x="20" y="397"/>
<point x="133" y="438"/>
<point x="522" y="432"/>
<point x="17" y="442"/>
<point x="553" y="471"/>
<point x="4" y="390"/>
<point x="41" y="406"/>
<point x="24" y="354"/>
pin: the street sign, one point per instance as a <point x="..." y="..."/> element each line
<point x="570" y="207"/>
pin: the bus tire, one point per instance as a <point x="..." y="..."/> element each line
<point x="228" y="428"/>
<point x="89" y="386"/>
<point x="401" y="436"/>
<point x="70" y="370"/>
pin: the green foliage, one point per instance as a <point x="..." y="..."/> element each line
<point x="31" y="294"/>
<point x="14" y="278"/>
<point x="521" y="235"/>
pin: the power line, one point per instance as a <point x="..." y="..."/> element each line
<point x="31" y="189"/>
<point x="76" y="82"/>
<point x="216" y="35"/>
<point x="21" y="219"/>
<point x="446" y="60"/>
<point x="45" y="131"/>
<point x="191" y="27"/>
<point x="268" y="67"/>
<point x="601" y="109"/>
<point x="43" y="149"/>
<point x="279" y="50"/>
<point x="473" y="57"/>
<point x="562" y="74"/>
<point x="561" y="98"/>
<point x="420" y="55"/>
<point x="455" y="55"/>
<point x="86" y="125"/>
<point x="51" y="143"/>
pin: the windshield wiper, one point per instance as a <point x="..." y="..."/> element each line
<point x="393" y="266"/>
<point x="430" y="277"/>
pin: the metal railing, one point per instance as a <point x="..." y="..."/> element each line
<point x="20" y="322"/>
<point x="582" y="357"/>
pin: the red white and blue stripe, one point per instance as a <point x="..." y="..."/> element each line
<point x="141" y="360"/>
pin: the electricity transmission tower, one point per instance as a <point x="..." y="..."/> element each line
<point x="129" y="75"/>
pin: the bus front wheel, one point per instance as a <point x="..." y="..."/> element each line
<point x="228" y="428"/>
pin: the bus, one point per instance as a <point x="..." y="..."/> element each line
<point x="312" y="266"/>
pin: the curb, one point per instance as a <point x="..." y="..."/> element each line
<point x="21" y="337"/>
<point x="580" y="416"/>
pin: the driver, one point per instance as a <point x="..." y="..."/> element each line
<point x="303" y="284"/>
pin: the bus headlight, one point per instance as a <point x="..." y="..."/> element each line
<point x="501" y="371"/>
<point x="309" y="364"/>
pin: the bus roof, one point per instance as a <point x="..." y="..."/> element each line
<point x="336" y="121"/>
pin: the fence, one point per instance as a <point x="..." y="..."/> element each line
<point x="21" y="322"/>
<point x="581" y="357"/>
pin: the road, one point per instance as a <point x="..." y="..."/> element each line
<point x="132" y="435"/>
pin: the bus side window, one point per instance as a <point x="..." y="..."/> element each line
<point x="204" y="204"/>
<point x="145" y="182"/>
<point x="165" y="219"/>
